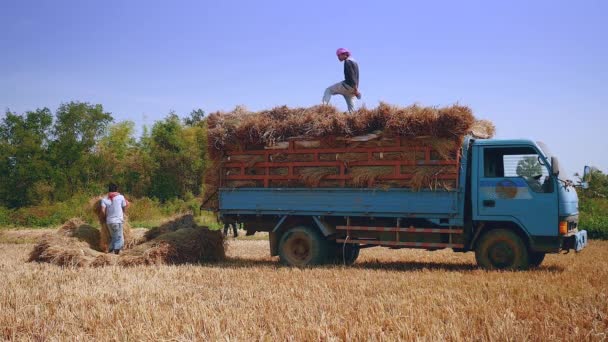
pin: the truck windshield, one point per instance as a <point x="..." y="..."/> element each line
<point x="563" y="174"/>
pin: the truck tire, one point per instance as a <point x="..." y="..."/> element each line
<point x="303" y="246"/>
<point x="536" y="258"/>
<point x="501" y="249"/>
<point x="344" y="254"/>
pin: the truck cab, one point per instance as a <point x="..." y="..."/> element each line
<point x="517" y="185"/>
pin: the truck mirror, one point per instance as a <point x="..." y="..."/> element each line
<point x="554" y="166"/>
<point x="587" y="174"/>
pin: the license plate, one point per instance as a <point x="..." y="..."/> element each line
<point x="580" y="240"/>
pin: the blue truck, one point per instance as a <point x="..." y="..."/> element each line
<point x="511" y="205"/>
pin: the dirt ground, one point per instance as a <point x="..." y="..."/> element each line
<point x="386" y="295"/>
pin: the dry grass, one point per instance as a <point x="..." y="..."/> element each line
<point x="311" y="176"/>
<point x="483" y="129"/>
<point x="241" y="128"/>
<point x="387" y="295"/>
<point x="427" y="177"/>
<point x="366" y="175"/>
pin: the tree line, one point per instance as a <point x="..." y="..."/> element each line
<point x="48" y="157"/>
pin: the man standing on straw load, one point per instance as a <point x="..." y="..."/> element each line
<point x="349" y="88"/>
<point x="113" y="206"/>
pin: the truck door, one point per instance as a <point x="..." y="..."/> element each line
<point x="515" y="185"/>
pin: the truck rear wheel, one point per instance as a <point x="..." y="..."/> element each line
<point x="344" y="254"/>
<point x="303" y="246"/>
<point x="501" y="249"/>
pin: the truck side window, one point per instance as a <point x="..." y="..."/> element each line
<point x="521" y="162"/>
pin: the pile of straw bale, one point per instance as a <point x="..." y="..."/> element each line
<point x="176" y="241"/>
<point x="232" y="135"/>
<point x="240" y="127"/>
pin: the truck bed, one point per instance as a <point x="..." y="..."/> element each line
<point x="340" y="202"/>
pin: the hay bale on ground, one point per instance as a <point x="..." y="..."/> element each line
<point x="77" y="228"/>
<point x="63" y="251"/>
<point x="175" y="242"/>
<point x="186" y="245"/>
<point x="173" y="224"/>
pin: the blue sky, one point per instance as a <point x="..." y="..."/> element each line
<point x="537" y="69"/>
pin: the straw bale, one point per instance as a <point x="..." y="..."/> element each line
<point x="291" y="157"/>
<point x="364" y="176"/>
<point x="483" y="129"/>
<point x="304" y="144"/>
<point x="441" y="129"/>
<point x="62" y="250"/>
<point x="313" y="175"/>
<point x="343" y="157"/>
<point x="248" y="159"/>
<point x="78" y="229"/>
<point x="278" y="171"/>
<point x="171" y="225"/>
<point x="446" y="149"/>
<point x="185" y="245"/>
<point x="104" y="260"/>
<point x="426" y="177"/>
<point x="455" y="121"/>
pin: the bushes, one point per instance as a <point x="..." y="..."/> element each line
<point x="4" y="216"/>
<point x="594" y="217"/>
<point x="142" y="212"/>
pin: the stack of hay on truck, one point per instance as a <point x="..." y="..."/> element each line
<point x="385" y="147"/>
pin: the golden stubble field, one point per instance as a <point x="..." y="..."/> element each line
<point x="386" y="295"/>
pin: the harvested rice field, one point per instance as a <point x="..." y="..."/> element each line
<point x="386" y="295"/>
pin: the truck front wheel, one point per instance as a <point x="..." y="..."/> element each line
<point x="536" y="258"/>
<point x="303" y="246"/>
<point x="501" y="249"/>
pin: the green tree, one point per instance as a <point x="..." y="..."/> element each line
<point x="124" y="160"/>
<point x="179" y="157"/>
<point x="196" y="117"/>
<point x="23" y="158"/>
<point x="598" y="184"/>
<point x="77" y="128"/>
<point x="529" y="167"/>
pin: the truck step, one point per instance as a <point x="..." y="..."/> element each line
<point x="402" y="230"/>
<point x="402" y="244"/>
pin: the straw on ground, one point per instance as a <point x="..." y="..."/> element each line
<point x="387" y="295"/>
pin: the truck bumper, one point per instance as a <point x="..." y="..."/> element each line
<point x="576" y="241"/>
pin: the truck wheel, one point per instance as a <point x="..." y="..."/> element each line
<point x="303" y="246"/>
<point x="345" y="254"/>
<point x="536" y="258"/>
<point x="501" y="249"/>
